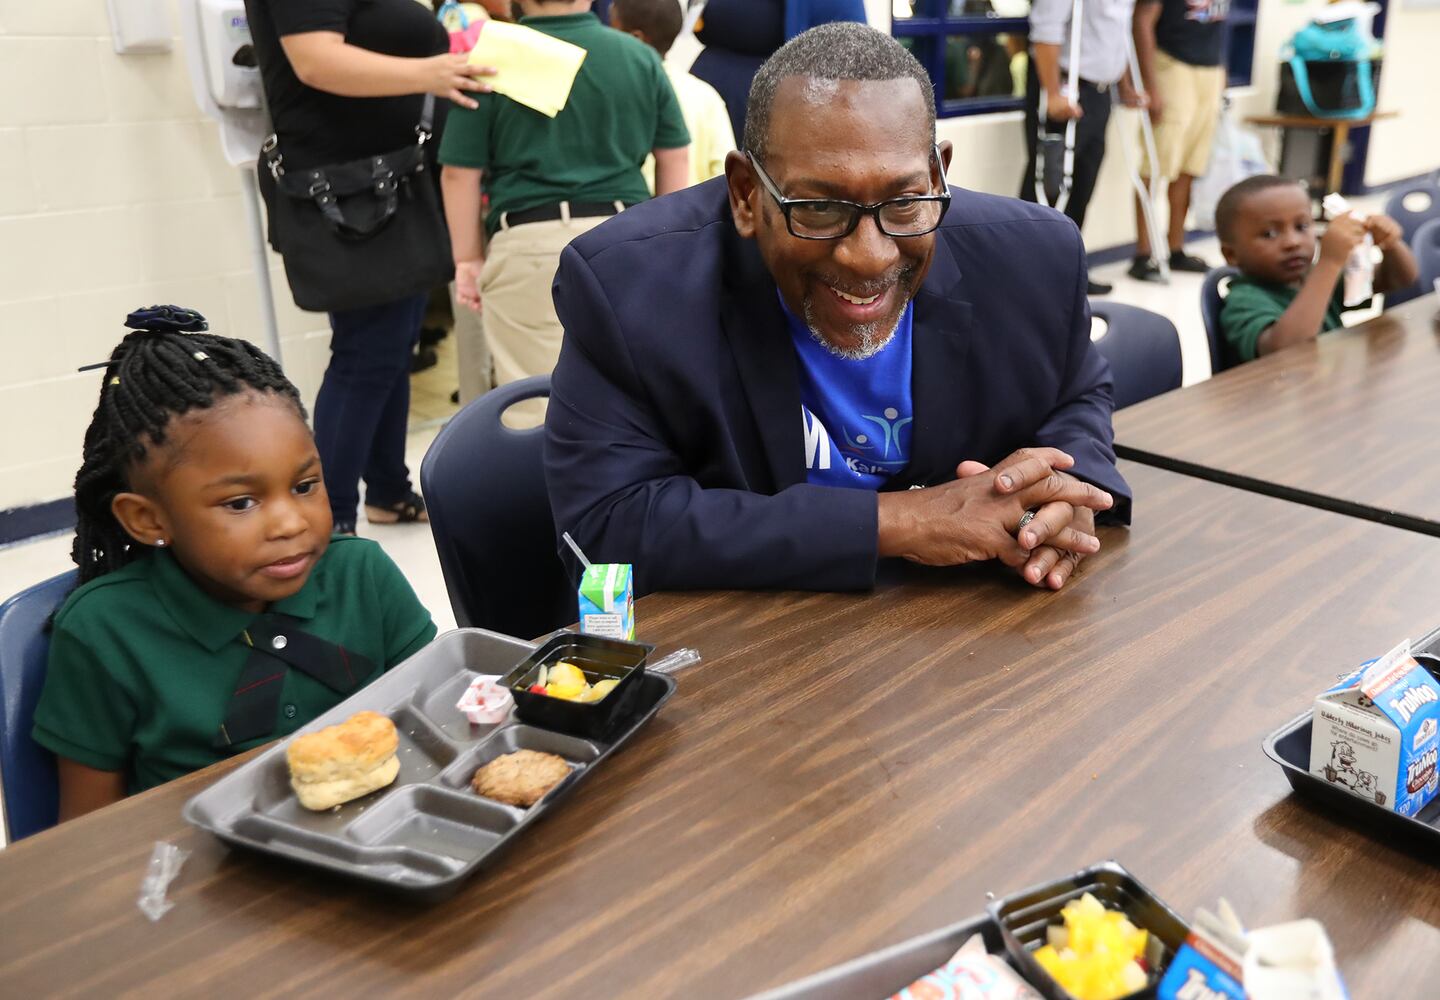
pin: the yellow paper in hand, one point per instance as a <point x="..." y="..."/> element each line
<point x="532" y="68"/>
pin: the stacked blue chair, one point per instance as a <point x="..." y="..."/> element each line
<point x="1427" y="255"/>
<point x="1143" y="349"/>
<point x="1212" y="299"/>
<point x="1412" y="205"/>
<point x="27" y="770"/>
<point x="484" y="486"/>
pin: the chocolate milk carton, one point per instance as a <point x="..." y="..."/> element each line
<point x="607" y="601"/>
<point x="1377" y="733"/>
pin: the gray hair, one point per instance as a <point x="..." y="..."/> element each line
<point x="841" y="50"/>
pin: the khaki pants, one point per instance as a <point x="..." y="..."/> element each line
<point x="1186" y="128"/>
<point x="520" y="322"/>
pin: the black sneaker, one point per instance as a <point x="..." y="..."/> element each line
<point x="1182" y="261"/>
<point x="1144" y="269"/>
<point x="1097" y="288"/>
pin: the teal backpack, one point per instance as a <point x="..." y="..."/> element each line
<point x="1330" y="64"/>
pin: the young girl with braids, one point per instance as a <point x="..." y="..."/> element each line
<point x="215" y="611"/>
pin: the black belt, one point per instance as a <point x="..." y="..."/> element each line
<point x="549" y="213"/>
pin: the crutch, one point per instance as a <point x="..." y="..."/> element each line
<point x="1147" y="196"/>
<point x="1072" y="91"/>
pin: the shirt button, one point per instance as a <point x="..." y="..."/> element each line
<point x="279" y="642"/>
<point x="290" y="711"/>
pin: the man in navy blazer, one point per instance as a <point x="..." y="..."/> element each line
<point x="736" y="355"/>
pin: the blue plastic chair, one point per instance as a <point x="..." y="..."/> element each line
<point x="1212" y="298"/>
<point x="1143" y="349"/>
<point x="1427" y="255"/>
<point x="27" y="770"/>
<point x="484" y="486"/>
<point x="1426" y="193"/>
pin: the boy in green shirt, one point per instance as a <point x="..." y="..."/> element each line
<point x="551" y="179"/>
<point x="1283" y="295"/>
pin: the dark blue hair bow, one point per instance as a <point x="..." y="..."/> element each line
<point x="166" y="319"/>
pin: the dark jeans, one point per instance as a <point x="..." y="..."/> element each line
<point x="1089" y="143"/>
<point x="364" y="403"/>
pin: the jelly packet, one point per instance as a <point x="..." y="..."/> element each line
<point x="164" y="865"/>
<point x="971" y="974"/>
<point x="486" y="701"/>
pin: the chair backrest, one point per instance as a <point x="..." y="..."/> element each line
<point x="1426" y="248"/>
<point x="484" y="486"/>
<point x="1143" y="349"/>
<point x="1413" y="205"/>
<point x="1212" y="298"/>
<point x="27" y="770"/>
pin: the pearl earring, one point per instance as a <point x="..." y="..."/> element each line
<point x="160" y="543"/>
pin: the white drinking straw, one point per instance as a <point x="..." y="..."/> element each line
<point x="575" y="549"/>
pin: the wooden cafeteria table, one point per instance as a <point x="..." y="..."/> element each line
<point x="845" y="771"/>
<point x="1349" y="423"/>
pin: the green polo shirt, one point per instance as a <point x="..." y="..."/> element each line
<point x="143" y="663"/>
<point x="620" y="108"/>
<point x="1252" y="306"/>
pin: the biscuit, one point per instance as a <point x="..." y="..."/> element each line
<point x="344" y="761"/>
<point x="521" y="778"/>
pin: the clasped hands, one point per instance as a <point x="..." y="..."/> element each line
<point x="976" y="517"/>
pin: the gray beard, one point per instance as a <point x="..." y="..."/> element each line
<point x="872" y="341"/>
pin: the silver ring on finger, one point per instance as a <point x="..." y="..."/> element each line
<point x="1025" y="519"/>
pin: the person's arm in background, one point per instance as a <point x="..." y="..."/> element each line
<point x="325" y="61"/>
<point x="460" y="190"/>
<point x="672" y="169"/>
<point x="1398" y="268"/>
<point x="1048" y="20"/>
<point x="1142" y="28"/>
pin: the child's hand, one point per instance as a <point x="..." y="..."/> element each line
<point x="1384" y="230"/>
<point x="1344" y="235"/>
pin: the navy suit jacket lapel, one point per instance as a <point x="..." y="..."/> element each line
<point x="941" y="338"/>
<point x="765" y="357"/>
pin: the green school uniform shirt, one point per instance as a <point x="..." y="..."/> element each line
<point x="620" y="108"/>
<point x="1252" y="306"/>
<point x="143" y="663"/>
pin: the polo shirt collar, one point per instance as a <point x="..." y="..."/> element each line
<point x="560" y="20"/>
<point x="209" y="622"/>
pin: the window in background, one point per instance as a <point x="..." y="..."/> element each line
<point x="975" y="50"/>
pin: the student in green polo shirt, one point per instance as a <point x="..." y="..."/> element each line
<point x="551" y="179"/>
<point x="215" y="611"/>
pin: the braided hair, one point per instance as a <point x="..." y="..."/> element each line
<point x="165" y="368"/>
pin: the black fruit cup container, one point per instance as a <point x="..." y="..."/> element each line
<point x="600" y="659"/>
<point x="1024" y="916"/>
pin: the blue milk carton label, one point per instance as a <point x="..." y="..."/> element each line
<point x="1377" y="733"/>
<point x="607" y="601"/>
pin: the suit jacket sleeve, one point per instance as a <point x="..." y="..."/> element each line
<point x="624" y="494"/>
<point x="1080" y="423"/>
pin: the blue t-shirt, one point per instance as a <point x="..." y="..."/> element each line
<point x="857" y="415"/>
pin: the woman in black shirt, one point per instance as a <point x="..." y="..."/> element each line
<point x="344" y="80"/>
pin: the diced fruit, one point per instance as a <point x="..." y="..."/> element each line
<point x="566" y="681"/>
<point x="602" y="688"/>
<point x="1097" y="954"/>
<point x="537" y="689"/>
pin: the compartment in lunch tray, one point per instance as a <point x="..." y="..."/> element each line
<point x="576" y="752"/>
<point x="436" y="820"/>
<point x="438" y="705"/>
<point x="1023" y="918"/>
<point x="420" y="748"/>
<point x="392" y="861"/>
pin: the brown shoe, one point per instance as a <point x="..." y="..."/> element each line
<point x="407" y="511"/>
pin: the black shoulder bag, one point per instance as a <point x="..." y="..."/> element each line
<point x="361" y="233"/>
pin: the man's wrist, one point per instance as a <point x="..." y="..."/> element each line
<point x="892" y="524"/>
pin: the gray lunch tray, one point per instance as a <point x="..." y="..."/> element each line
<point x="426" y="832"/>
<point x="886" y="972"/>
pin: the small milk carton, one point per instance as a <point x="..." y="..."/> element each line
<point x="1375" y="733"/>
<point x="607" y="601"/>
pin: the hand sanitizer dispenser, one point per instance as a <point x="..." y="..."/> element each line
<point x="230" y="64"/>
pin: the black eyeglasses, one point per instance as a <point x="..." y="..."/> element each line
<point x="833" y="219"/>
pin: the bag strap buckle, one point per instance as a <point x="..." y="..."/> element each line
<point x="272" y="158"/>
